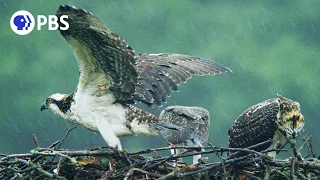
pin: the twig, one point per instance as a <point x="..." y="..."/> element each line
<point x="250" y="175"/>
<point x="221" y="160"/>
<point x="168" y="176"/>
<point x="39" y="169"/>
<point x="64" y="137"/>
<point x="35" y="139"/>
<point x="59" y="165"/>
<point x="159" y="162"/>
<point x="127" y="157"/>
<point x="235" y="154"/>
<point x="292" y="169"/>
<point x="147" y="151"/>
<point x="294" y="149"/>
<point x="146" y="172"/>
<point x="54" y="144"/>
<point x="304" y="143"/>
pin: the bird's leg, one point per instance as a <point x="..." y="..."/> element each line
<point x="196" y="158"/>
<point x="110" y="137"/>
<point x="173" y="153"/>
<point x="112" y="161"/>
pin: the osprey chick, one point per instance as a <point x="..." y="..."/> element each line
<point x="194" y="122"/>
<point x="112" y="77"/>
<point x="277" y="119"/>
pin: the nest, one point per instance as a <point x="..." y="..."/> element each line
<point x="107" y="163"/>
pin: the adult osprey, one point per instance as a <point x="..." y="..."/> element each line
<point x="112" y="78"/>
<point x="277" y="119"/>
<point x="194" y="123"/>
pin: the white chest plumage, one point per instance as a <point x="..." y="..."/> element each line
<point x="87" y="110"/>
<point x="101" y="114"/>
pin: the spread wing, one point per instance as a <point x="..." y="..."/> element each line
<point x="159" y="74"/>
<point x="255" y="125"/>
<point x="105" y="61"/>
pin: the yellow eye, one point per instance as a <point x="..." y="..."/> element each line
<point x="50" y="100"/>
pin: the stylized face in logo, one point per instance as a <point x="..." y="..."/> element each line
<point x="22" y="22"/>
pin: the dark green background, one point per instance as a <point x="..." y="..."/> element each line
<point x="271" y="46"/>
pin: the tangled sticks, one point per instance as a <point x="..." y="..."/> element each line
<point x="56" y="163"/>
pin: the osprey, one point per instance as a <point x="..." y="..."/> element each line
<point x="194" y="123"/>
<point x="112" y="77"/>
<point x="277" y="119"/>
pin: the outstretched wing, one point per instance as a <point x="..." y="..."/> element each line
<point x="105" y="61"/>
<point x="255" y="125"/>
<point x="159" y="74"/>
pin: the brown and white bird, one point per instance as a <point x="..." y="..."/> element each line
<point x="277" y="119"/>
<point x="194" y="123"/>
<point x="112" y="77"/>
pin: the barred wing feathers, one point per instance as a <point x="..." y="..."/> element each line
<point x="159" y="74"/>
<point x="255" y="125"/>
<point x="100" y="52"/>
<point x="108" y="64"/>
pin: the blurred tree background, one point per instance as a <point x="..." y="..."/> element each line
<point x="271" y="46"/>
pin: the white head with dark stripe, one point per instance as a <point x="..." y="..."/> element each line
<point x="58" y="103"/>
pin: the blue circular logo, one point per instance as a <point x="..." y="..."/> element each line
<point x="22" y="22"/>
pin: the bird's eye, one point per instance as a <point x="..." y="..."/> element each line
<point x="50" y="100"/>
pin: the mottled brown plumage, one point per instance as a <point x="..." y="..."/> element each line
<point x="271" y="119"/>
<point x="139" y="115"/>
<point x="148" y="78"/>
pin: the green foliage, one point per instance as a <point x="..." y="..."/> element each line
<point x="271" y="46"/>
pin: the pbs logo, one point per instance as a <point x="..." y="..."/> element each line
<point x="22" y="22"/>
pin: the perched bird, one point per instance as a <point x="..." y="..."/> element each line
<point x="112" y="77"/>
<point x="194" y="123"/>
<point x="277" y="119"/>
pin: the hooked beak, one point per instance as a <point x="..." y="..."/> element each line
<point x="44" y="106"/>
<point x="294" y="134"/>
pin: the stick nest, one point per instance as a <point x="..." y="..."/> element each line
<point x="107" y="163"/>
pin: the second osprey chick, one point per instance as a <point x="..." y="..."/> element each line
<point x="194" y="121"/>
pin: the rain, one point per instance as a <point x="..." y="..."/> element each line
<point x="271" y="46"/>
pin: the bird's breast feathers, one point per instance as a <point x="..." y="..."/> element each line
<point x="86" y="110"/>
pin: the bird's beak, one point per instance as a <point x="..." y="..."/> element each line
<point x="44" y="106"/>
